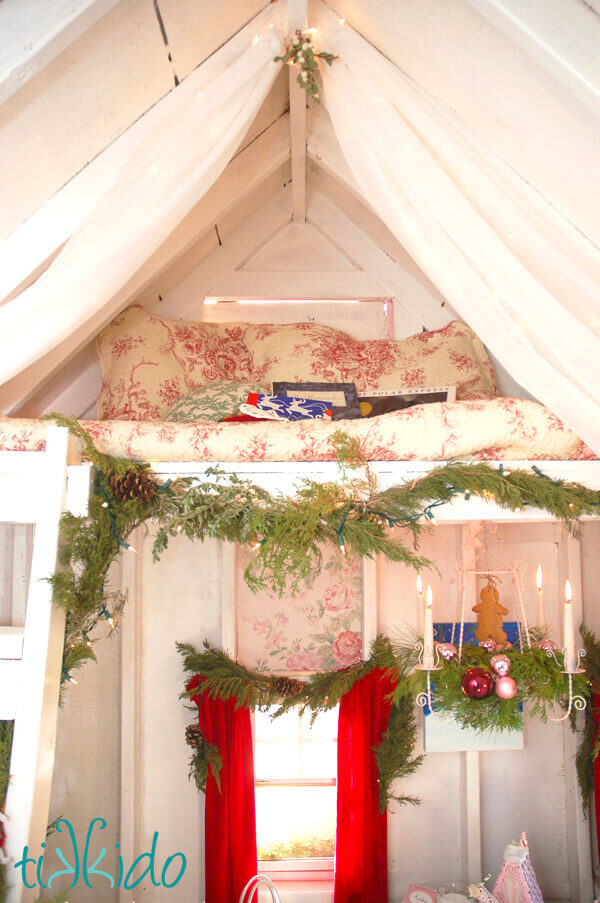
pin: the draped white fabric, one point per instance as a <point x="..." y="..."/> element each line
<point x="196" y="130"/>
<point x="524" y="279"/>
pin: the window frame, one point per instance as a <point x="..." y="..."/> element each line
<point x="292" y="869"/>
<point x="309" y="869"/>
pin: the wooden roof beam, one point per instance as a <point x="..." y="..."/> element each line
<point x="297" y="16"/>
<point x="32" y="35"/>
<point x="562" y="37"/>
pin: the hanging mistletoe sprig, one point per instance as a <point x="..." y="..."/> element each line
<point x="224" y="678"/>
<point x="302" y="53"/>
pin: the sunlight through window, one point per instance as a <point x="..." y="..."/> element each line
<point x="295" y="766"/>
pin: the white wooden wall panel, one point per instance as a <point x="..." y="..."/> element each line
<point x="86" y="782"/>
<point x="564" y="42"/>
<point x="16" y="547"/>
<point x="364" y="320"/>
<point x="193" y="36"/>
<point x="178" y="599"/>
<point x="181" y="599"/>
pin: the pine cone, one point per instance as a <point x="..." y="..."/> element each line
<point x="287" y="687"/>
<point x="135" y="484"/>
<point x="193" y="736"/>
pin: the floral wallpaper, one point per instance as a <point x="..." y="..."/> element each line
<point x="316" y="630"/>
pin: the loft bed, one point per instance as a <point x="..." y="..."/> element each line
<point x="152" y="366"/>
<point x="401" y="446"/>
<point x="491" y="429"/>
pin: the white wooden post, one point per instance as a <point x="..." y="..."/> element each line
<point x="33" y="691"/>
<point x="131" y="705"/>
<point x="228" y="620"/>
<point x="470" y="759"/>
<point x="579" y="842"/>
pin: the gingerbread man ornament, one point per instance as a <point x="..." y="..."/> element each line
<point x="489" y="614"/>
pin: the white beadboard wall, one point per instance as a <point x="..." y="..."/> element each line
<point x="132" y="768"/>
<point x="121" y="753"/>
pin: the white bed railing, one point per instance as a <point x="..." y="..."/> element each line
<point x="33" y="490"/>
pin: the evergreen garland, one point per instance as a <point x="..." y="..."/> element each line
<point x="89" y="545"/>
<point x="224" y="678"/>
<point x="288" y="534"/>
<point x="589" y="745"/>
<point x="6" y="733"/>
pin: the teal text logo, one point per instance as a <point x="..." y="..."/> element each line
<point x="78" y="864"/>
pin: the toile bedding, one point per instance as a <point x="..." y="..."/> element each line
<point x="506" y="428"/>
<point x="167" y="386"/>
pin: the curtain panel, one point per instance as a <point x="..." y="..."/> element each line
<point x="197" y="129"/>
<point x="361" y="861"/>
<point x="229" y="814"/>
<point x="516" y="271"/>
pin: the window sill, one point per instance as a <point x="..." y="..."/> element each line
<point x="299" y="891"/>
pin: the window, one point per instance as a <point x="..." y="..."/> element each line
<point x="295" y="775"/>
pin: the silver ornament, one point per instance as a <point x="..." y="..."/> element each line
<point x="500" y="665"/>
<point x="448" y="651"/>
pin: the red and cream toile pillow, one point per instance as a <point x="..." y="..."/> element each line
<point x="307" y="352"/>
<point x="148" y="363"/>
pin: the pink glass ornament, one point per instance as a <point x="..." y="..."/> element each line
<point x="500" y="665"/>
<point x="489" y="645"/>
<point x="448" y="651"/>
<point x="547" y="645"/>
<point x="505" y="687"/>
<point x="507" y="645"/>
<point x="477" y="683"/>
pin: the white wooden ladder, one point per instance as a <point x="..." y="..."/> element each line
<point x="33" y="490"/>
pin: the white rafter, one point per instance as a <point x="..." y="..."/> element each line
<point x="297" y="12"/>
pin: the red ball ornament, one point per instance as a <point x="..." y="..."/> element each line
<point x="505" y="687"/>
<point x="477" y="683"/>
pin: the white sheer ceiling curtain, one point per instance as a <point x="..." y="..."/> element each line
<point x="201" y="124"/>
<point x="526" y="281"/>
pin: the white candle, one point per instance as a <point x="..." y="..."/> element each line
<point x="568" y="631"/>
<point x="420" y="600"/>
<point x="541" y="609"/>
<point x="428" y="659"/>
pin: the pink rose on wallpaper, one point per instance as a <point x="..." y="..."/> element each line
<point x="346" y="648"/>
<point x="337" y="599"/>
<point x="302" y="661"/>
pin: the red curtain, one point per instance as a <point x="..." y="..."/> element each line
<point x="361" y="833"/>
<point x="595" y="712"/>
<point x="230" y="820"/>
